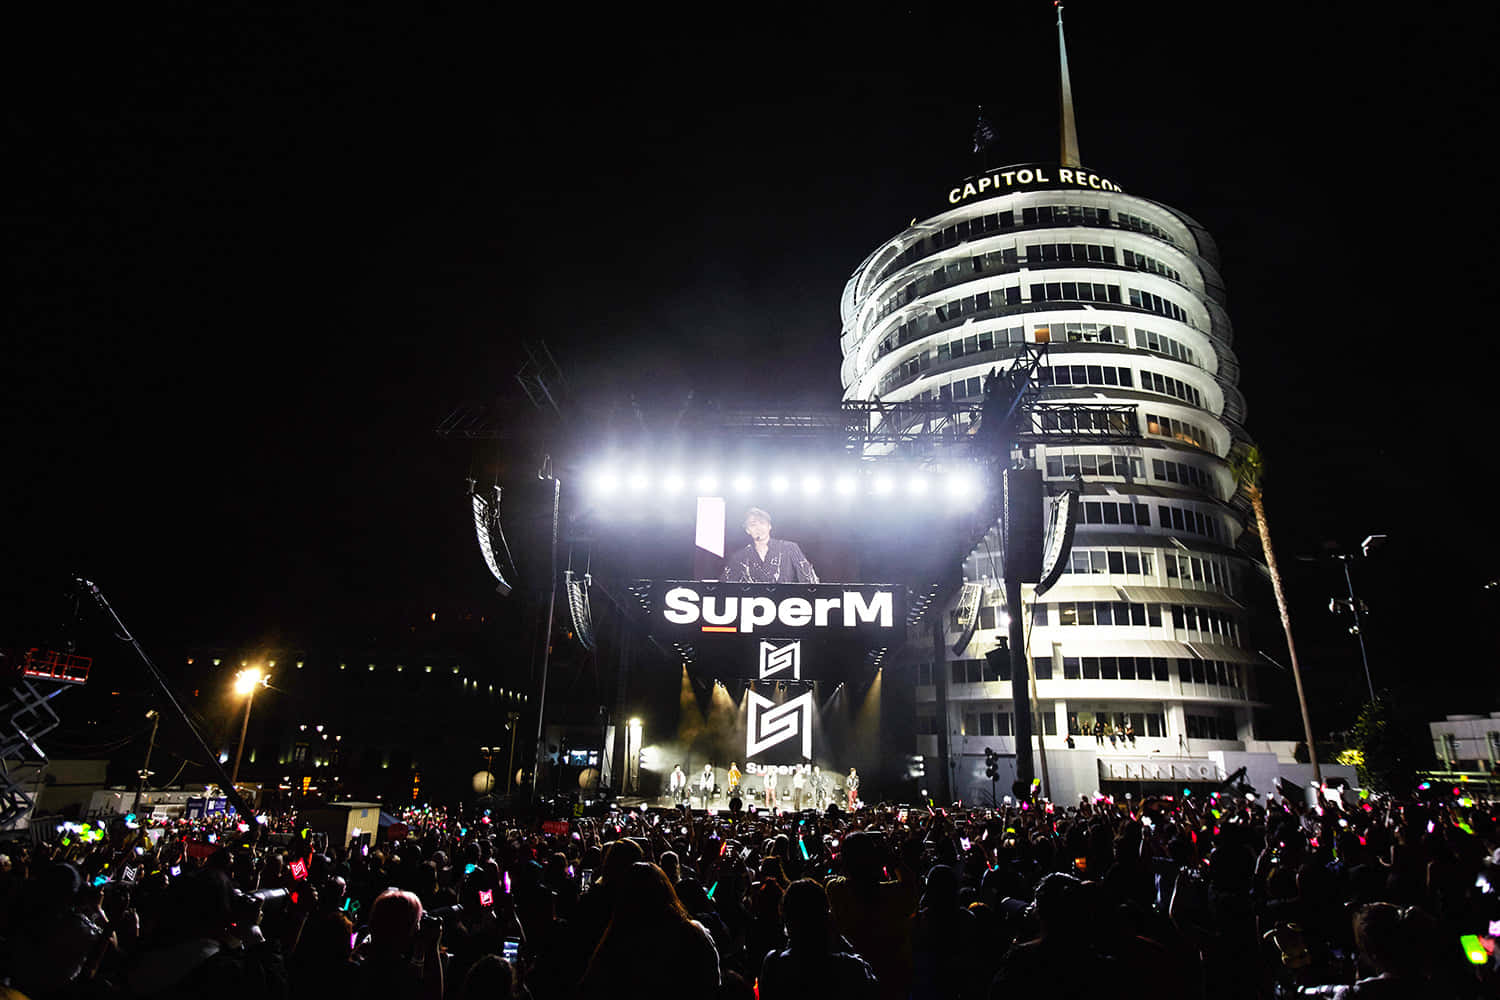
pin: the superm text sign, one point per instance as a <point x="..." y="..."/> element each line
<point x="697" y="609"/>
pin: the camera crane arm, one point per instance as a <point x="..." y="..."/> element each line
<point x="91" y="589"/>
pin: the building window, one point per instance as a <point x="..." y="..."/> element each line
<point x="924" y="673"/>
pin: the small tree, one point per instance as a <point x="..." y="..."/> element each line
<point x="1389" y="749"/>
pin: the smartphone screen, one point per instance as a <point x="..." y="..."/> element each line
<point x="586" y="878"/>
<point x="512" y="950"/>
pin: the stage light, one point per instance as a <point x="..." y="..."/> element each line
<point x="673" y="483"/>
<point x="638" y="481"/>
<point x="779" y="484"/>
<point x="917" y="485"/>
<point x="845" y="486"/>
<point x="882" y="485"/>
<point x="708" y="484"/>
<point x="961" y="484"/>
<point x="743" y="484"/>
<point x="812" y="485"/>
<point x="606" y="481"/>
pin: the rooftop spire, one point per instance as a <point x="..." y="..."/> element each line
<point x="1065" y="93"/>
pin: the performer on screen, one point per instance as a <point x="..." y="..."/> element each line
<point x="677" y="783"/>
<point x="706" y="783"/>
<point x="767" y="559"/>
<point x="851" y="788"/>
<point x="734" y="779"/>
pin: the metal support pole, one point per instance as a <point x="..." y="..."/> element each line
<point x="234" y="776"/>
<point x="140" y="787"/>
<point x="541" y="703"/>
<point x="1359" y="631"/>
<point x="940" y="691"/>
<point x="1019" y="671"/>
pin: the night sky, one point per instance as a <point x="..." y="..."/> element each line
<point x="255" y="258"/>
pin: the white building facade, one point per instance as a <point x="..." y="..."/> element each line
<point x="1141" y="653"/>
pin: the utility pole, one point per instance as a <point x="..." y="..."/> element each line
<point x="145" y="772"/>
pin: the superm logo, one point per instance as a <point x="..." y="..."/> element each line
<point x="744" y="614"/>
<point x="774" y="659"/>
<point x="770" y="723"/>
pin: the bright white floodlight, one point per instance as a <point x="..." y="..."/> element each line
<point x="883" y="485"/>
<point x="606" y="481"/>
<point x="779" y="484"/>
<point x="708" y="483"/>
<point x="917" y="485"/>
<point x="844" y="486"/>
<point x="961" y="484"/>
<point x="812" y="485"/>
<point x="743" y="484"/>
<point x="673" y="483"/>
<point x="638" y="481"/>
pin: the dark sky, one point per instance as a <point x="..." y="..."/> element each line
<point x="256" y="257"/>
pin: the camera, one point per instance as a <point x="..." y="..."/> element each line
<point x="441" y="915"/>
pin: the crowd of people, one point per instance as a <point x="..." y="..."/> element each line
<point x="1164" y="896"/>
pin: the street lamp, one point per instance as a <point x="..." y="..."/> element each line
<point x="489" y="768"/>
<point x="1355" y="606"/>
<point x="145" y="771"/>
<point x="245" y="683"/>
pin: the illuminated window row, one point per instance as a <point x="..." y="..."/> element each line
<point x="1181" y="473"/>
<point x="1178" y="430"/>
<point x="1211" y="623"/>
<point x="1074" y="291"/>
<point x="1198" y="572"/>
<point x="982" y="226"/>
<point x="1111" y="720"/>
<point x="1169" y="386"/>
<point x="1187" y="519"/>
<point x="1162" y="307"/>
<point x="1119" y="466"/>
<point x="1146" y="340"/>
<point x="1054" y="375"/>
<point x="1123" y="562"/>
<point x="1211" y="727"/>
<point x="1143" y="263"/>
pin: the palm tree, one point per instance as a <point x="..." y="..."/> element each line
<point x="1249" y="468"/>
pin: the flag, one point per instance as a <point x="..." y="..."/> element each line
<point x="984" y="132"/>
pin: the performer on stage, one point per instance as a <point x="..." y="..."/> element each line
<point x="851" y="787"/>
<point x="767" y="559"/>
<point x="706" y="783"/>
<point x="734" y="779"/>
<point x="799" y="786"/>
<point x="770" y="785"/>
<point x="819" y="788"/>
<point x="677" y="784"/>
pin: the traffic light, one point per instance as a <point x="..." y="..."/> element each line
<point x="991" y="764"/>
